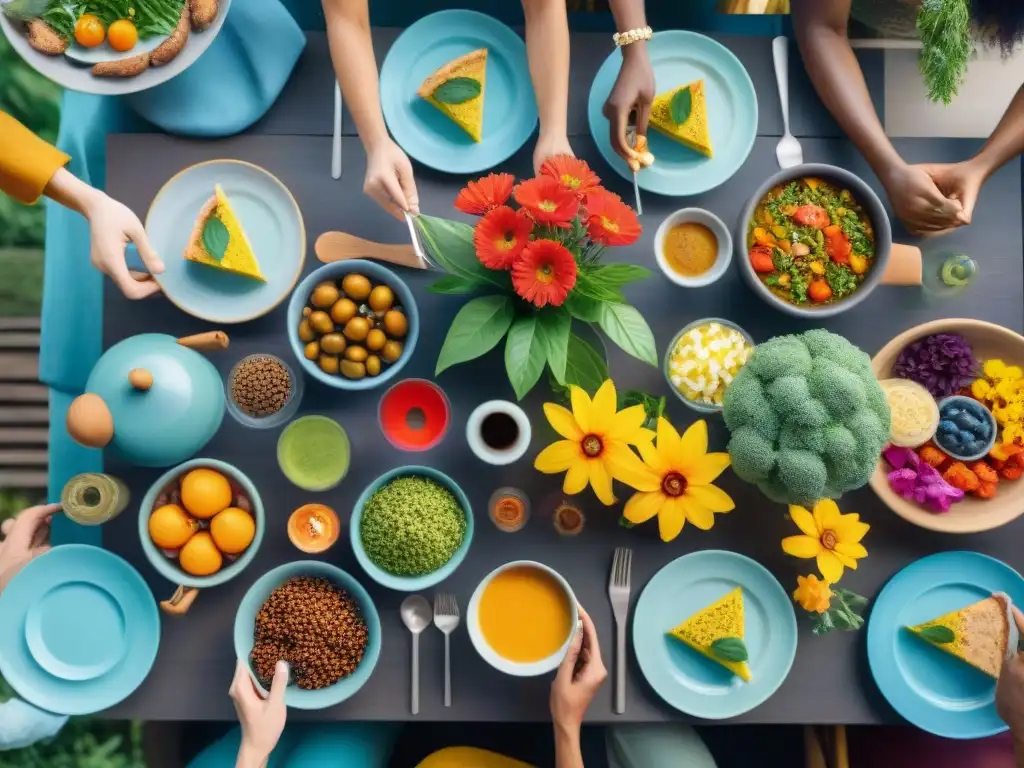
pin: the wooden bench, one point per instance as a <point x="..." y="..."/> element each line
<point x="24" y="410"/>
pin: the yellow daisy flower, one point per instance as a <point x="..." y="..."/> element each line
<point x="812" y="594"/>
<point x="829" y="536"/>
<point x="596" y="446"/>
<point x="679" y="486"/>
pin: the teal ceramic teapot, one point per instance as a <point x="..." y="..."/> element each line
<point x="153" y="399"/>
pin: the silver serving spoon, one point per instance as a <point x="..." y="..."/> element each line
<point x="416" y="615"/>
<point x="788" y="152"/>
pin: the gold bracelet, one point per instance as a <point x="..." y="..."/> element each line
<point x="632" y="36"/>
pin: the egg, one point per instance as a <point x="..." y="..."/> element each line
<point x="89" y="421"/>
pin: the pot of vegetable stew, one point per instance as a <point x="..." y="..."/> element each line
<point x="814" y="240"/>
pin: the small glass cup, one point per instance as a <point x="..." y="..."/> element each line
<point x="288" y="410"/>
<point x="698" y="406"/>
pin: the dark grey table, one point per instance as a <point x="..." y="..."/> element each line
<point x="829" y="683"/>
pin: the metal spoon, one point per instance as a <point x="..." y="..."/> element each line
<point x="788" y="152"/>
<point x="416" y="615"/>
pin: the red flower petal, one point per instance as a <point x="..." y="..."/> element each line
<point x="572" y="173"/>
<point x="500" y="236"/>
<point x="544" y="273"/>
<point x="610" y="221"/>
<point x="478" y="197"/>
<point x="547" y="201"/>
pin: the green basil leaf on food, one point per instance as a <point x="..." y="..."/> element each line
<point x="627" y="328"/>
<point x="458" y="90"/>
<point x="730" y="649"/>
<point x="681" y="106"/>
<point x="476" y="330"/>
<point x="215" y="238"/>
<point x="937" y="634"/>
<point x="525" y="354"/>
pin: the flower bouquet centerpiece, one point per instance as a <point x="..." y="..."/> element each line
<point x="535" y="253"/>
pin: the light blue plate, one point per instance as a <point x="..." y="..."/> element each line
<point x="82" y="55"/>
<point x="927" y="686"/>
<point x="510" y="109"/>
<point x="684" y="678"/>
<point x="245" y="624"/>
<point x="80" y="630"/>
<point x="678" y="58"/>
<point x="271" y="220"/>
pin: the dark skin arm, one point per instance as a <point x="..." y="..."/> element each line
<point x="633" y="91"/>
<point x="821" y="32"/>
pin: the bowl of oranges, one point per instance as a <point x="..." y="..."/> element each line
<point x="201" y="523"/>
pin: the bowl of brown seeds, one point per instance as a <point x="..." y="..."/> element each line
<point x="263" y="391"/>
<point x="317" y="618"/>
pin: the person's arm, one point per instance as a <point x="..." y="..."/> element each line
<point x="1007" y="141"/>
<point x="579" y="676"/>
<point x="567" y="748"/>
<point x="547" y="47"/>
<point x="27" y="163"/>
<point x="633" y="92"/>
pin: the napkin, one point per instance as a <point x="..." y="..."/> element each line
<point x="22" y="725"/>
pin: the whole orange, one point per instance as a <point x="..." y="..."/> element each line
<point x="233" y="530"/>
<point x="122" y="35"/>
<point x="200" y="556"/>
<point x="205" y="492"/>
<point x="89" y="31"/>
<point x="170" y="526"/>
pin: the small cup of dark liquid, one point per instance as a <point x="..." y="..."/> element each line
<point x="498" y="432"/>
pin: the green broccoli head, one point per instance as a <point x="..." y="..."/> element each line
<point x="807" y="418"/>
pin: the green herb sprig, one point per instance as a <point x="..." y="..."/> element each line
<point x="944" y="27"/>
<point x="730" y="649"/>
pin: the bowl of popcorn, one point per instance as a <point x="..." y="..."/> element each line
<point x="703" y="359"/>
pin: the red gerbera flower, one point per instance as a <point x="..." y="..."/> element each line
<point x="547" y="201"/>
<point x="610" y="221"/>
<point x="544" y="273"/>
<point x="572" y="173"/>
<point x="500" y="236"/>
<point x="478" y="197"/>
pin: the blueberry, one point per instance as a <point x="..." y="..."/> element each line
<point x="974" y="448"/>
<point x="984" y="431"/>
<point x="965" y="437"/>
<point x="951" y="412"/>
<point x="947" y="427"/>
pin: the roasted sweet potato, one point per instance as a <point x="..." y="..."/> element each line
<point x="45" y="38"/>
<point x="203" y="13"/>
<point x="123" y="68"/>
<point x="172" y="46"/>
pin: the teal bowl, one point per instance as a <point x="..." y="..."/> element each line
<point x="169" y="568"/>
<point x="409" y="583"/>
<point x="245" y="624"/>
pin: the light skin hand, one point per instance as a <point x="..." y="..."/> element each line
<point x="25" y="537"/>
<point x="578" y="679"/>
<point x="112" y="226"/>
<point x="261" y="720"/>
<point x="1010" y="695"/>
<point x="547" y="48"/>
<point x="634" y="87"/>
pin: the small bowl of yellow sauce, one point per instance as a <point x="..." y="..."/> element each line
<point x="522" y="618"/>
<point x="693" y="247"/>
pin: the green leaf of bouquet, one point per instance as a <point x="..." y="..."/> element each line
<point x="476" y="330"/>
<point x="730" y="649"/>
<point x="585" y="366"/>
<point x="453" y="285"/>
<point x="525" y="354"/>
<point x="852" y="600"/>
<point x="554" y="328"/>
<point x="450" y="245"/>
<point x="592" y="288"/>
<point x="458" y="90"/>
<point x="937" y="634"/>
<point x="682" y="104"/>
<point x="627" y="328"/>
<point x="583" y="307"/>
<point x="215" y="238"/>
<point x="617" y="275"/>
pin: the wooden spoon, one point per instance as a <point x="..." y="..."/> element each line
<point x="905" y="266"/>
<point x="339" y="246"/>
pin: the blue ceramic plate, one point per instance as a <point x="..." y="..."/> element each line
<point x="80" y="630"/>
<point x="272" y="222"/>
<point x="678" y="58"/>
<point x="510" y="109"/>
<point x="689" y="681"/>
<point x="931" y="689"/>
<point x="245" y="623"/>
<point x="409" y="583"/>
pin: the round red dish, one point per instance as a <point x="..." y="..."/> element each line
<point x="414" y="415"/>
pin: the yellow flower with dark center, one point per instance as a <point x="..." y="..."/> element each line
<point x="812" y="594"/>
<point x="829" y="536"/>
<point x="596" y="445"/>
<point x="679" y="483"/>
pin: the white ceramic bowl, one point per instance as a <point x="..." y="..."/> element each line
<point x="717" y="227"/>
<point x="485" y="452"/>
<point x="515" y="668"/>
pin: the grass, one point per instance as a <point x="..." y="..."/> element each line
<point x="21" y="289"/>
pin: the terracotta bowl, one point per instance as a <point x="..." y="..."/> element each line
<point x="970" y="515"/>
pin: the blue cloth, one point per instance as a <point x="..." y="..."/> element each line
<point x="656" y="745"/>
<point x="315" y="745"/>
<point x="22" y="725"/>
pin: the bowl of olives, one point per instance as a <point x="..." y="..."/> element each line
<point x="353" y="324"/>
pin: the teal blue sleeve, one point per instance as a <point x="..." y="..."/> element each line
<point x="656" y="745"/>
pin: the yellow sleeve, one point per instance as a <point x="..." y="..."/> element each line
<point x="27" y="163"/>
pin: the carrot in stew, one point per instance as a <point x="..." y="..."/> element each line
<point x="761" y="258"/>
<point x="811" y="216"/>
<point x="819" y="292"/>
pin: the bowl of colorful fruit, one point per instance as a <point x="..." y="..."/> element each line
<point x="956" y="454"/>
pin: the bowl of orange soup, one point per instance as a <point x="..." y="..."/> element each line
<point x="522" y="618"/>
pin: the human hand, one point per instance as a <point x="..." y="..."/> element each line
<point x="548" y="147"/>
<point x="958" y="181"/>
<point x="389" y="179"/>
<point x="261" y="720"/>
<point x="919" y="203"/>
<point x="112" y="225"/>
<point x="633" y="92"/>
<point x="579" y="676"/>
<point x="25" y="537"/>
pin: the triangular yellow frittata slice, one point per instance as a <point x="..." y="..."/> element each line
<point x="693" y="131"/>
<point x="238" y="255"/>
<point x="977" y="634"/>
<point x="721" y="620"/>
<point x="458" y="103"/>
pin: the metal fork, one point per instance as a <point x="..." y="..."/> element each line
<point x="618" y="594"/>
<point x="446" y="618"/>
<point x="788" y="152"/>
